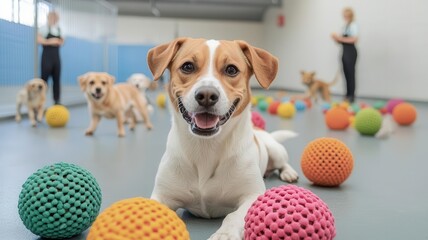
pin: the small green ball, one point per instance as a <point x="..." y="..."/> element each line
<point x="263" y="105"/>
<point x="355" y="107"/>
<point x="368" y="121"/>
<point x="59" y="201"/>
<point x="379" y="104"/>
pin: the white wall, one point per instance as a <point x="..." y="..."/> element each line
<point x="392" y="48"/>
<point x="145" y="30"/>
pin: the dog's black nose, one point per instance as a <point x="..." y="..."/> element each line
<point x="40" y="87"/>
<point x="98" y="90"/>
<point x="207" y="96"/>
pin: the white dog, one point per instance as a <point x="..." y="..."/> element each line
<point x="142" y="82"/>
<point x="33" y="95"/>
<point x="215" y="160"/>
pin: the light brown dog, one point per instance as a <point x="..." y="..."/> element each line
<point x="33" y="95"/>
<point x="316" y="86"/>
<point x="111" y="101"/>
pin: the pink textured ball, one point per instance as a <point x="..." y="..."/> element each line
<point x="289" y="212"/>
<point x="258" y="120"/>
<point x="392" y="103"/>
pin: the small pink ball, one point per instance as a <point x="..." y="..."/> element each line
<point x="258" y="120"/>
<point x="289" y="212"/>
<point x="392" y="104"/>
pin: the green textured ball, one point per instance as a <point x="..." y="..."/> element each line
<point x="59" y="201"/>
<point x="368" y="121"/>
<point x="263" y="105"/>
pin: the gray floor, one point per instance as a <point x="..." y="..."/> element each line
<point x="385" y="197"/>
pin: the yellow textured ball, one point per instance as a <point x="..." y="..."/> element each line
<point x="138" y="218"/>
<point x="161" y="100"/>
<point x="286" y="110"/>
<point x="254" y="101"/>
<point x="57" y="116"/>
<point x="269" y="100"/>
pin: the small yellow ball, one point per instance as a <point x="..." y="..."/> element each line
<point x="161" y="100"/>
<point x="57" y="116"/>
<point x="352" y="121"/>
<point x="344" y="105"/>
<point x="254" y="101"/>
<point x="286" y="110"/>
<point x="269" y="100"/>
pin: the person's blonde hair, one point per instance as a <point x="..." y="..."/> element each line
<point x="349" y="11"/>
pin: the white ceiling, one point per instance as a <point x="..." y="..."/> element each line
<point x="248" y="10"/>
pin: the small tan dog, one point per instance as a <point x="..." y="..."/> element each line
<point x="34" y="96"/>
<point x="316" y="86"/>
<point x="111" y="101"/>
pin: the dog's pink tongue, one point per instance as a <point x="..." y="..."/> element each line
<point x="206" y="120"/>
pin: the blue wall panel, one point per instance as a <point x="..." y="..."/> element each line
<point x="132" y="59"/>
<point x="78" y="57"/>
<point x="16" y="53"/>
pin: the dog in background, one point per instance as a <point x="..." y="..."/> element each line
<point x="317" y="86"/>
<point x="33" y="95"/>
<point x="109" y="100"/>
<point x="142" y="83"/>
<point x="215" y="160"/>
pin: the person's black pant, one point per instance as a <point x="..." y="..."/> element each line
<point x="349" y="59"/>
<point x="51" y="67"/>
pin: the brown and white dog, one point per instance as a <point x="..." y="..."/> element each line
<point x="33" y="95"/>
<point x="215" y="160"/>
<point x="316" y="86"/>
<point x="109" y="100"/>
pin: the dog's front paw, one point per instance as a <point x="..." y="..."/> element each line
<point x="149" y="126"/>
<point x="227" y="234"/>
<point x="18" y="118"/>
<point x="121" y="134"/>
<point x="39" y="119"/>
<point x="33" y="124"/>
<point x="289" y="175"/>
<point x="89" y="133"/>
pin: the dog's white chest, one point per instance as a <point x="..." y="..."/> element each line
<point x="211" y="198"/>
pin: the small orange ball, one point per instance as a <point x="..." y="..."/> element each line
<point x="337" y="118"/>
<point x="327" y="162"/>
<point x="404" y="114"/>
<point x="138" y="218"/>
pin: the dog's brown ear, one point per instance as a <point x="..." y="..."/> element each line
<point x="313" y="73"/>
<point x="83" y="80"/>
<point x="159" y="57"/>
<point x="264" y="64"/>
<point x="302" y="72"/>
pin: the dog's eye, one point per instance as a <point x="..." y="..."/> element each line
<point x="103" y="83"/>
<point x="187" y="68"/>
<point x="91" y="82"/>
<point x="231" y="70"/>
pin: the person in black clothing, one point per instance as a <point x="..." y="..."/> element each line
<point x="349" y="56"/>
<point x="51" y="39"/>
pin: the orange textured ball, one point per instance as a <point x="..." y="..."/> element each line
<point x="138" y="218"/>
<point x="327" y="162"/>
<point x="404" y="114"/>
<point x="337" y="118"/>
